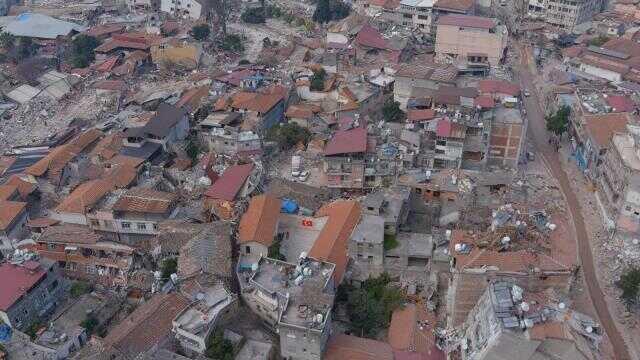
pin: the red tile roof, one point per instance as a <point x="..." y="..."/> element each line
<point x="82" y="198"/>
<point x="145" y="201"/>
<point x="105" y="29"/>
<point x="108" y="64"/>
<point x="602" y="127"/>
<point x="620" y="103"/>
<point x="230" y="183"/>
<point x="331" y="244"/>
<point x="114" y="85"/>
<point x="347" y="141"/>
<point x="347" y="347"/>
<point x="8" y="191"/>
<point x="234" y="78"/>
<point x="467" y="21"/>
<point x="147" y="326"/>
<point x="17" y="281"/>
<point x="421" y="115"/>
<point x="458" y="5"/>
<point x="369" y="37"/>
<point x="9" y="211"/>
<point x="24" y="187"/>
<point x="484" y="102"/>
<point x="258" y="223"/>
<point x="447" y="128"/>
<point x="498" y="87"/>
<point x="258" y="102"/>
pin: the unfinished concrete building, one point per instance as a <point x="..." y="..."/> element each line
<point x="295" y="299"/>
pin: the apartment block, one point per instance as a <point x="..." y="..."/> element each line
<point x="470" y="41"/>
<point x="417" y="14"/>
<point x="566" y="14"/>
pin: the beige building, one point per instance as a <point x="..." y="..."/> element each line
<point x="470" y="41"/>
<point x="566" y="14"/>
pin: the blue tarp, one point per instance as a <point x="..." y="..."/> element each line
<point x="289" y="206"/>
<point x="5" y="333"/>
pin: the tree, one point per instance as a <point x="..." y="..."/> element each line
<point x="169" y="266"/>
<point x="232" y="42"/>
<point x="391" y="110"/>
<point x="7" y="41"/>
<point x="82" y="48"/>
<point x="322" y="14"/>
<point x="288" y="135"/>
<point x="598" y="41"/>
<point x="328" y="10"/>
<point x="254" y="16"/>
<point x="200" y="32"/>
<point x="26" y="48"/>
<point x="317" y="80"/>
<point x="558" y="123"/>
<point x="219" y="348"/>
<point x="630" y="284"/>
<point x="90" y="323"/>
<point x="220" y="9"/>
<point x="390" y="242"/>
<point x="79" y="288"/>
<point x="370" y="307"/>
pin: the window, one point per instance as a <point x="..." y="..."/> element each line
<point x="155" y="226"/>
<point x="126" y="225"/>
<point x="51" y="246"/>
<point x="141" y="226"/>
<point x="247" y="249"/>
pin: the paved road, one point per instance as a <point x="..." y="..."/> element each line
<point x="539" y="135"/>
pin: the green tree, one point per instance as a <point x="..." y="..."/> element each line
<point x="82" y="48"/>
<point x="79" y="288"/>
<point x="370" y="307"/>
<point x="317" y="80"/>
<point x="390" y="242"/>
<point x="26" y="48"/>
<point x="558" y="123"/>
<point x="630" y="284"/>
<point x="322" y="14"/>
<point x="219" y="348"/>
<point x="254" y="16"/>
<point x="391" y="110"/>
<point x="90" y="323"/>
<point x="169" y="266"/>
<point x="288" y="135"/>
<point x="200" y="32"/>
<point x="7" y="41"/>
<point x="233" y="42"/>
<point x="598" y="41"/>
<point x="328" y="10"/>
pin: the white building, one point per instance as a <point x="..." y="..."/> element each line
<point x="192" y="9"/>
<point x="416" y="14"/>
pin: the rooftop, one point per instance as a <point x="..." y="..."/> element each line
<point x="209" y="302"/>
<point x="350" y="347"/>
<point x="17" y="281"/>
<point x="41" y="26"/>
<point x="602" y="127"/>
<point x="259" y="222"/>
<point x="369" y="230"/>
<point x="85" y="196"/>
<point x="307" y="297"/>
<point x="145" y="201"/>
<point x="230" y="183"/>
<point x="347" y="142"/>
<point x="9" y="211"/>
<point x="467" y="21"/>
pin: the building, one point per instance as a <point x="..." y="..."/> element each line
<point x="619" y="173"/>
<point x="74" y="207"/>
<point x="29" y="291"/>
<point x="599" y="130"/>
<point x="191" y="9"/>
<point x="344" y="158"/>
<point x="146" y="329"/>
<point x="133" y="215"/>
<point x="367" y="248"/>
<point x="228" y="140"/>
<point x="567" y="14"/>
<point x="420" y="81"/>
<point x="295" y="299"/>
<point x="84" y="255"/>
<point x="168" y="126"/>
<point x="615" y="61"/>
<point x="13" y="219"/>
<point x="40" y="26"/>
<point x="504" y="324"/>
<point x="236" y="182"/>
<point x="260" y="110"/>
<point x="210" y="305"/>
<point x="473" y="266"/>
<point x="392" y="204"/>
<point x="508" y="135"/>
<point x="259" y="226"/>
<point x="470" y="41"/>
<point x="417" y="14"/>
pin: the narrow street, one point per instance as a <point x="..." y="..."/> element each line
<point x="539" y="136"/>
